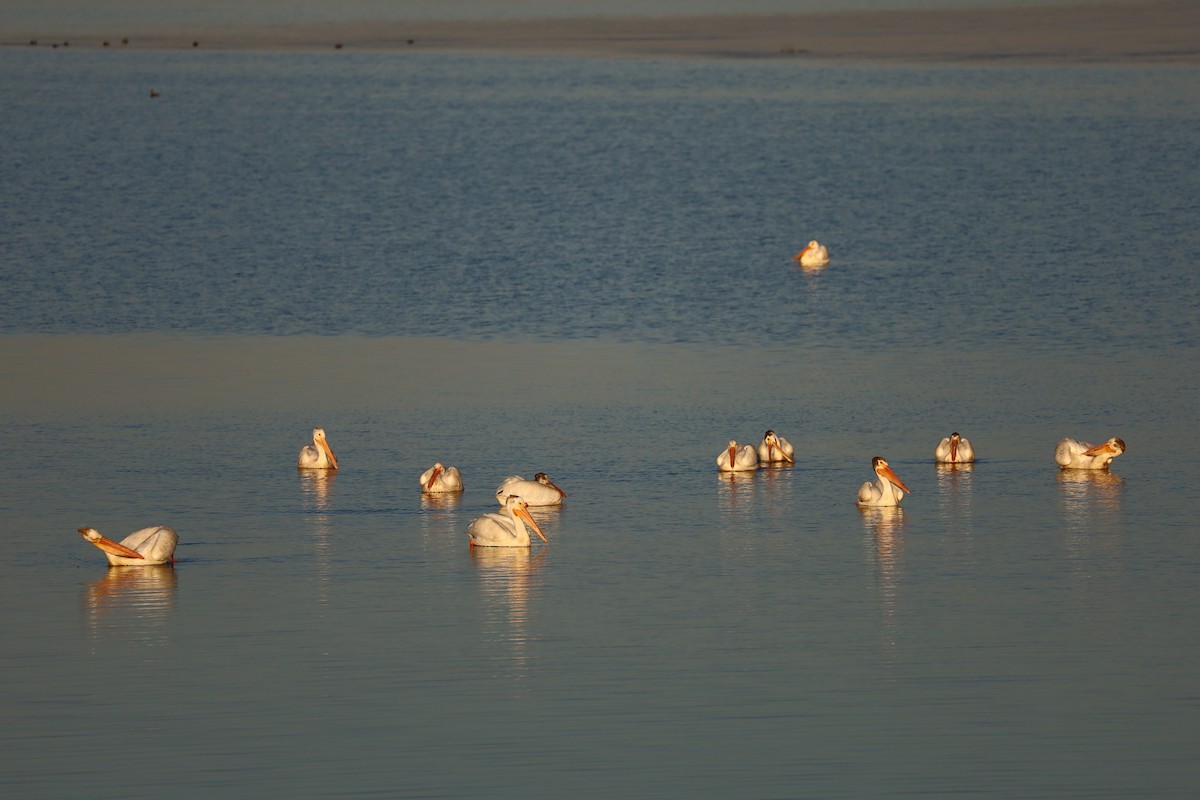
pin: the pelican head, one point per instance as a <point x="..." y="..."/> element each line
<point x="772" y="440"/>
<point x="520" y="510"/>
<point x="108" y="545"/>
<point x="882" y="469"/>
<point x="544" y="479"/>
<point x="437" y="470"/>
<point x="954" y="440"/>
<point x="319" y="441"/>
<point x="1112" y="448"/>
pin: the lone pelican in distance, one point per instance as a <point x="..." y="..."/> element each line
<point x="317" y="455"/>
<point x="1071" y="454"/>
<point x="774" y="448"/>
<point x="509" y="528"/>
<point x="886" y="490"/>
<point x="440" y="479"/>
<point x="954" y="449"/>
<point x="814" y="254"/>
<point x="149" y="546"/>
<point x="737" y="459"/>
<point x="541" y="491"/>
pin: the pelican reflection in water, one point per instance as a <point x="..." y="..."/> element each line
<point x="136" y="604"/>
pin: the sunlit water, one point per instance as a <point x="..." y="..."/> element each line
<point x="581" y="267"/>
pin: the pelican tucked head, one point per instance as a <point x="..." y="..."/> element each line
<point x="884" y="471"/>
<point x="1113" y="447"/>
<point x="954" y="440"/>
<point x="544" y="479"/>
<point x="437" y="470"/>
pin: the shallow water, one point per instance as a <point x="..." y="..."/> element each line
<point x="514" y="265"/>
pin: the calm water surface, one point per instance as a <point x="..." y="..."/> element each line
<point x="581" y="267"/>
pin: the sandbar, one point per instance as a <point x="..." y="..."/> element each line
<point x="1157" y="31"/>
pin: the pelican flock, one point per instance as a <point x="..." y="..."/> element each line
<point x="147" y="547"/>
<point x="886" y="490"/>
<point x="814" y="254"/>
<point x="317" y="455"/>
<point x="737" y="459"/>
<point x="774" y="449"/>
<point x="954" y="449"/>
<point x="440" y="479"/>
<point x="540" y="491"/>
<point x="509" y="528"/>
<point x="1071" y="454"/>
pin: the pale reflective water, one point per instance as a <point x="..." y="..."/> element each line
<point x="521" y="265"/>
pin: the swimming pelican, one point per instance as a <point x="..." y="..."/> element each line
<point x="153" y="545"/>
<point x="888" y="490"/>
<point x="954" y="449"/>
<point x="317" y="455"/>
<point x="506" y="529"/>
<point x="735" y="459"/>
<point x="438" y="479"/>
<point x="1071" y="454"/>
<point x="775" y="448"/>
<point x="814" y="254"/>
<point x="540" y="491"/>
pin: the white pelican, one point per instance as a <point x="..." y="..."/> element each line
<point x="735" y="459"/>
<point x="888" y="490"/>
<point x="954" y="449"/>
<point x="1071" y="454"/>
<point x="506" y="529"/>
<point x="153" y="545"/>
<point x="814" y="254"/>
<point x="317" y="455"/>
<point x="775" y="448"/>
<point x="439" y="479"/>
<point x="540" y="491"/>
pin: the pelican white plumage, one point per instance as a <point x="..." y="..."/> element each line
<point x="317" y="455"/>
<point x="440" y="479"/>
<point x="886" y="490"/>
<point x="1071" y="454"/>
<point x="774" y="448"/>
<point x="149" y="546"/>
<point x="509" y="528"/>
<point x="814" y="254"/>
<point x="954" y="449"/>
<point x="737" y="459"/>
<point x="540" y="491"/>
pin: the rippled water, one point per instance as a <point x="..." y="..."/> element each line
<point x="581" y="267"/>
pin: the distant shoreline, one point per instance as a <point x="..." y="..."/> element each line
<point x="1157" y="31"/>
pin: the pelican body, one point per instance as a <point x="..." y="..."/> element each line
<point x="774" y="448"/>
<point x="814" y="254"/>
<point x="954" y="449"/>
<point x="440" y="479"/>
<point x="886" y="490"/>
<point x="317" y="455"/>
<point x="149" y="546"/>
<point x="540" y="491"/>
<point x="508" y="528"/>
<point x="1071" y="454"/>
<point x="737" y="459"/>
